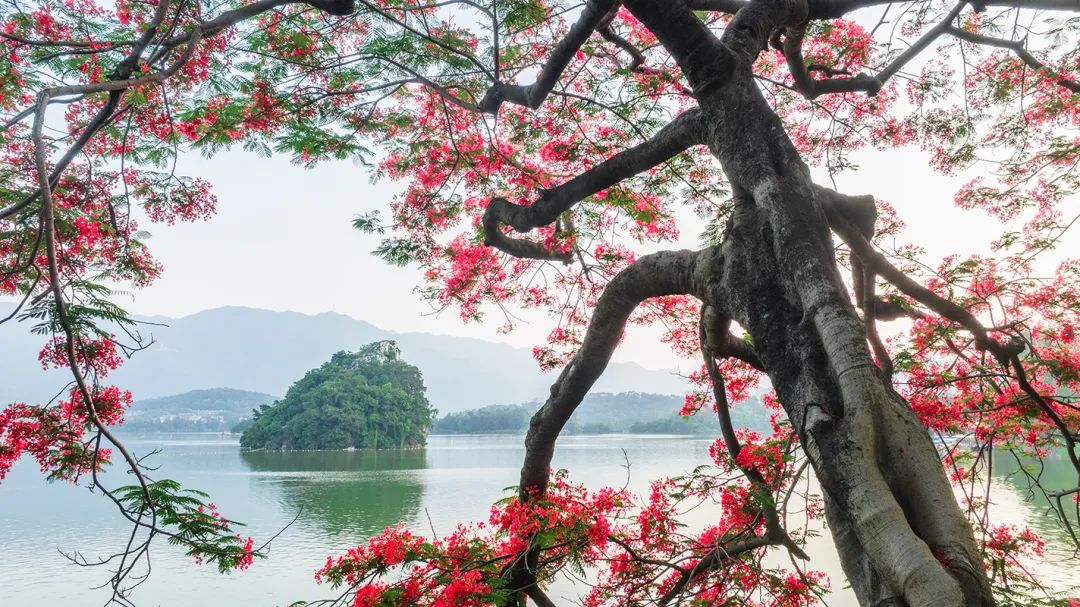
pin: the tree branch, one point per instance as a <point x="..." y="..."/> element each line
<point x="230" y="18"/>
<point x="637" y="58"/>
<point x="720" y="343"/>
<point x="1020" y="49"/>
<point x="121" y="79"/>
<point x="812" y="88"/>
<point x="832" y="203"/>
<point x="655" y="275"/>
<point x="533" y="95"/>
<point x="711" y="326"/>
<point x="833" y="9"/>
<point x="721" y="6"/>
<point x="1007" y="354"/>
<point x="707" y="62"/>
<point x="682" y="133"/>
<point x="664" y="273"/>
<point x="708" y="562"/>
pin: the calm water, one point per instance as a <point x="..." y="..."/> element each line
<point x="345" y="498"/>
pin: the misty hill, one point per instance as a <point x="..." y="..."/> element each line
<point x="213" y="410"/>
<point x="628" y="412"/>
<point x="224" y="400"/>
<point x="265" y="351"/>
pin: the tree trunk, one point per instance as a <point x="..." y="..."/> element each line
<point x="901" y="535"/>
<point x="902" y="538"/>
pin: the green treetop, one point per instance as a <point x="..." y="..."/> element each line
<point x="366" y="399"/>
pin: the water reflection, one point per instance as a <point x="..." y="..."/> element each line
<point x="350" y="493"/>
<point x="1053" y="473"/>
<point x="1020" y="478"/>
<point x="349" y="496"/>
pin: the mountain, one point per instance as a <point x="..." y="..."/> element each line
<point x="627" y="412"/>
<point x="223" y="400"/>
<point x="265" y="351"/>
<point x="213" y="410"/>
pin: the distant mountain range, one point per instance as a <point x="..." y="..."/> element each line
<point x="265" y="351"/>
<point x="601" y="413"/>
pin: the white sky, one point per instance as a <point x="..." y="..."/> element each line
<point x="282" y="240"/>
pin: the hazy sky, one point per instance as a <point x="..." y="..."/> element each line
<point x="282" y="240"/>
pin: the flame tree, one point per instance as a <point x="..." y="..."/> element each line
<point x="544" y="146"/>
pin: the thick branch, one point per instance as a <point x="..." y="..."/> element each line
<point x="679" y="135"/>
<point x="722" y="344"/>
<point x="709" y="562"/>
<point x="721" y="6"/>
<point x="877" y="262"/>
<point x="708" y="62"/>
<point x="533" y="95"/>
<point x="811" y="87"/>
<point x="664" y="273"/>
<point x="1007" y="354"/>
<point x="861" y="211"/>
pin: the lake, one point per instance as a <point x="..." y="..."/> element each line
<point x="345" y="497"/>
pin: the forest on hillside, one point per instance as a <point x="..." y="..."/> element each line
<point x="605" y="413"/>
<point x="369" y="399"/>
<point x="211" y="410"/>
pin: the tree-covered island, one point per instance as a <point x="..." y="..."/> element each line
<point x="368" y="399"/>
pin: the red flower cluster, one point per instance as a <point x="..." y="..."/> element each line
<point x="100" y="355"/>
<point x="56" y="435"/>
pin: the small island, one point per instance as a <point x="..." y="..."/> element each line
<point x="370" y="399"/>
